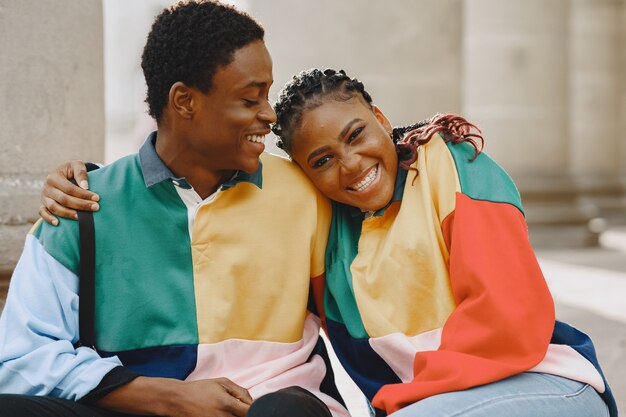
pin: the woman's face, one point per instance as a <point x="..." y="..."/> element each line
<point x="345" y="148"/>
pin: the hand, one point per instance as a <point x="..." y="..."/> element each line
<point x="62" y="198"/>
<point x="218" y="397"/>
<point x="212" y="397"/>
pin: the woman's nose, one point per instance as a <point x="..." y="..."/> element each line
<point x="350" y="163"/>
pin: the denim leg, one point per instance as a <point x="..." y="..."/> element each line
<point x="524" y="395"/>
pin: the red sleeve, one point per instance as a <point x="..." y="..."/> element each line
<point x="504" y="317"/>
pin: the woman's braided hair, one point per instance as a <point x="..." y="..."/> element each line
<point x="453" y="128"/>
<point x="308" y="89"/>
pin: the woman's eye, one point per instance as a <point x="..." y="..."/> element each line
<point x="355" y="134"/>
<point x="322" y="161"/>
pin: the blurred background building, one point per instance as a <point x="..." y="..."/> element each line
<point x="544" y="79"/>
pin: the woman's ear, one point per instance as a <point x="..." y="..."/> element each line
<point x="382" y="119"/>
<point x="181" y="100"/>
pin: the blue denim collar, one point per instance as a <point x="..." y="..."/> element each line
<point x="155" y="171"/>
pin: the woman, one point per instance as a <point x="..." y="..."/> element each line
<point x="434" y="301"/>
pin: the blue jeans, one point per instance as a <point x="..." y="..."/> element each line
<point x="524" y="395"/>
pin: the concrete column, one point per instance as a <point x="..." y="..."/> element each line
<point x="407" y="53"/>
<point x="515" y="58"/>
<point x="515" y="86"/>
<point x="127" y="24"/>
<point x="596" y="90"/>
<point x="622" y="85"/>
<point x="51" y="93"/>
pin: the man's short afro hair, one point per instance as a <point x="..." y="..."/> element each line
<point x="188" y="42"/>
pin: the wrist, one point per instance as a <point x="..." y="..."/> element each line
<point x="166" y="395"/>
<point x="144" y="395"/>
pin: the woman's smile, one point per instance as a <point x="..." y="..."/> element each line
<point x="365" y="181"/>
<point x="345" y="149"/>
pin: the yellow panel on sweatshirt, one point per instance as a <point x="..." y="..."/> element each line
<point x="400" y="275"/>
<point x="35" y="226"/>
<point x="254" y="251"/>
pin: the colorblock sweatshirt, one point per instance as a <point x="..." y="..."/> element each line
<point x="185" y="288"/>
<point x="441" y="291"/>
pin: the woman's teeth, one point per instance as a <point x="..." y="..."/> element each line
<point x="256" y="138"/>
<point x="365" y="182"/>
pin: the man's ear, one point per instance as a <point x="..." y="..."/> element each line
<point x="382" y="119"/>
<point x="181" y="100"/>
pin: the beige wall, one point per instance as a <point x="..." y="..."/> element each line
<point x="408" y="55"/>
<point x="51" y="96"/>
<point x="622" y="70"/>
<point x="515" y="62"/>
<point x="542" y="78"/>
<point x="595" y="38"/>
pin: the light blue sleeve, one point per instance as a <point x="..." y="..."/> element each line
<point x="38" y="327"/>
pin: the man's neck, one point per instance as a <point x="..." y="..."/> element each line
<point x="186" y="163"/>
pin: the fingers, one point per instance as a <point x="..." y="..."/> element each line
<point x="239" y="398"/>
<point x="60" y="182"/>
<point x="67" y="200"/>
<point x="236" y="407"/>
<point x="52" y="206"/>
<point x="47" y="216"/>
<point x="236" y="391"/>
<point x="78" y="171"/>
<point x="62" y="198"/>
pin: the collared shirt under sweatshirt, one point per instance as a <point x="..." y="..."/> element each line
<point x="185" y="288"/>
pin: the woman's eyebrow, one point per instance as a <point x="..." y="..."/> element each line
<point x="347" y="127"/>
<point x="317" y="152"/>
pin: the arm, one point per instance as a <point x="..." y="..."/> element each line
<point x="504" y="317"/>
<point x="38" y="329"/>
<point x="62" y="198"/>
<point x="171" y="397"/>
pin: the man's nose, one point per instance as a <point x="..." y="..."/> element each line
<point x="267" y="113"/>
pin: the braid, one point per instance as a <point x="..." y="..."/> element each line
<point x="307" y="90"/>
<point x="454" y="129"/>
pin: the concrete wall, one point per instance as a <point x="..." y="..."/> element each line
<point x="52" y="101"/>
<point x="542" y="79"/>
<point x="408" y="55"/>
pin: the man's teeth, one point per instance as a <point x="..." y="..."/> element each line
<point x="365" y="182"/>
<point x="256" y="138"/>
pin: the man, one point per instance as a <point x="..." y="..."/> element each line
<point x="204" y="255"/>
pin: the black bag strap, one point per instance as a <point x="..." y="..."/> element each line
<point x="87" y="276"/>
<point x="87" y="280"/>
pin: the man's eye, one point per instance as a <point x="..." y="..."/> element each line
<point x="355" y="134"/>
<point x="322" y="161"/>
<point x="250" y="103"/>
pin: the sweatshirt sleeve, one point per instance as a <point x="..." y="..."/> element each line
<point x="504" y="315"/>
<point x="38" y="329"/>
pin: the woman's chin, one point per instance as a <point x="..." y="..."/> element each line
<point x="370" y="205"/>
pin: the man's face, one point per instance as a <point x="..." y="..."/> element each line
<point x="230" y="121"/>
